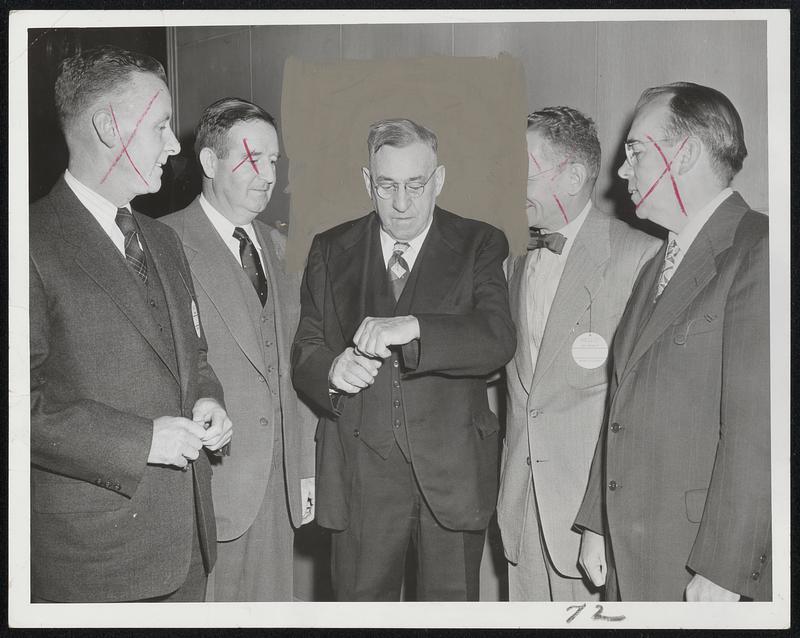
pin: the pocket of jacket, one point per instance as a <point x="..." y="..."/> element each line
<point x="486" y="424"/>
<point x="71" y="496"/>
<point x="695" y="504"/>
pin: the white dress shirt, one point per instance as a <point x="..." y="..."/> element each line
<point x="410" y="254"/>
<point x="694" y="225"/>
<point x="543" y="270"/>
<point x="225" y="229"/>
<point x="101" y="209"/>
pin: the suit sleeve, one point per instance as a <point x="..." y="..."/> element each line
<point x="476" y="343"/>
<point x="80" y="438"/>
<point x="590" y="513"/>
<point x="312" y="356"/>
<point x="733" y="541"/>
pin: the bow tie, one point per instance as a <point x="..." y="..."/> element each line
<point x="552" y="241"/>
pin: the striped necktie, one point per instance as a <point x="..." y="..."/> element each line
<point x="134" y="254"/>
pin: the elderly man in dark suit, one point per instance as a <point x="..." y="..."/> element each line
<point x="404" y="314"/>
<point x="678" y="502"/>
<point x="249" y="307"/>
<point x="123" y="400"/>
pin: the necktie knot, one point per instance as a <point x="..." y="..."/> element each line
<point x="241" y="235"/>
<point x="554" y="242"/>
<point x="400" y="247"/>
<point x="125" y="221"/>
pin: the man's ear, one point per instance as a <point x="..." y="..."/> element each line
<point x="688" y="156"/>
<point x="438" y="179"/>
<point x="576" y="178"/>
<point x="209" y="161"/>
<point x="367" y="182"/>
<point x="103" y="123"/>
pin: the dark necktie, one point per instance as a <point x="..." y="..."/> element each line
<point x="552" y="241"/>
<point x="251" y="263"/>
<point x="134" y="254"/>
<point x="398" y="268"/>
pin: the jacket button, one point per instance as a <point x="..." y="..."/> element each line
<point x="396" y="383"/>
<point x="528" y="460"/>
<point x="397" y="403"/>
<point x="117" y="487"/>
<point x="763" y="558"/>
<point x="356" y="433"/>
<point x="612" y="485"/>
<point x="99" y="481"/>
<point x="534" y="413"/>
<point x="615" y="427"/>
<point x="396" y="363"/>
<point x="755" y="575"/>
<point x="263" y="421"/>
<point x="397" y="423"/>
<point x="268" y="343"/>
<point x="260" y="379"/>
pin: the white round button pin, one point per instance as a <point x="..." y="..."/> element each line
<point x="589" y="350"/>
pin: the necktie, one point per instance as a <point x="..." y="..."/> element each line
<point x="251" y="263"/>
<point x="398" y="268"/>
<point x="134" y="254"/>
<point x="668" y="268"/>
<point x="552" y="241"/>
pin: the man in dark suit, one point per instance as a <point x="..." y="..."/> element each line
<point x="567" y="296"/>
<point x="123" y="400"/>
<point x="404" y="314"/>
<point x="249" y="307"/>
<point x="678" y="502"/>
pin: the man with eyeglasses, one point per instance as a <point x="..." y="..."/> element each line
<point x="404" y="313"/>
<point x="678" y="502"/>
<point x="567" y="295"/>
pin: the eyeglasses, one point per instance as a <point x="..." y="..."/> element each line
<point x="386" y="190"/>
<point x="632" y="155"/>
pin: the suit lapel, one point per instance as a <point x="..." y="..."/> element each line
<point x="577" y="289"/>
<point x="517" y="297"/>
<point x="354" y="265"/>
<point x="693" y="274"/>
<point x="97" y="256"/>
<point x="217" y="271"/>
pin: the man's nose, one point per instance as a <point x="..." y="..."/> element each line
<point x="625" y="170"/>
<point x="173" y="146"/>
<point x="266" y="170"/>
<point x="401" y="201"/>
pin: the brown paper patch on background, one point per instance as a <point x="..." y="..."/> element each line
<point x="476" y="107"/>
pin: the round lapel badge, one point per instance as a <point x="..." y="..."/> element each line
<point x="589" y="350"/>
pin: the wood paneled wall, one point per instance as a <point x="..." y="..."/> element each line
<point x="599" y="68"/>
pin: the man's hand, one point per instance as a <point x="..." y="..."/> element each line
<point x="592" y="557"/>
<point x="700" y="589"/>
<point x="176" y="441"/>
<point x="376" y="334"/>
<point x="308" y="497"/>
<point x="218" y="428"/>
<point x="351" y="372"/>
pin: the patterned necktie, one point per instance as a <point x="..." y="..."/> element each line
<point x="552" y="241"/>
<point x="134" y="254"/>
<point x="668" y="268"/>
<point x="251" y="263"/>
<point x="398" y="268"/>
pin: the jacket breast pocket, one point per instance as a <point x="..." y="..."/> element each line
<point x="704" y="323"/>
<point x="70" y="496"/>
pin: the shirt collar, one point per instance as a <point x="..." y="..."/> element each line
<point x="223" y="225"/>
<point x="695" y="223"/>
<point x="94" y="202"/>
<point x="387" y="242"/>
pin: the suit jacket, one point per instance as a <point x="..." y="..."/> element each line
<point x="682" y="471"/>
<point x="105" y="525"/>
<point x="458" y="293"/>
<point x="554" y="412"/>
<point x="229" y="311"/>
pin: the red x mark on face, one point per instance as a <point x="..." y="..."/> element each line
<point x="249" y="158"/>
<point x="667" y="171"/>
<point x="550" y="181"/>
<point x="127" y="143"/>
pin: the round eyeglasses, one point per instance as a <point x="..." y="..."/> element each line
<point x="413" y="189"/>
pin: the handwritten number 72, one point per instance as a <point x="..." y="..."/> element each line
<point x="597" y="615"/>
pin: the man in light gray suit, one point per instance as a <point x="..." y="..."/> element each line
<point x="249" y="306"/>
<point x="567" y="295"/>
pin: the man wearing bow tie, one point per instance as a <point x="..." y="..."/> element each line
<point x="567" y="295"/>
<point x="404" y="315"/>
